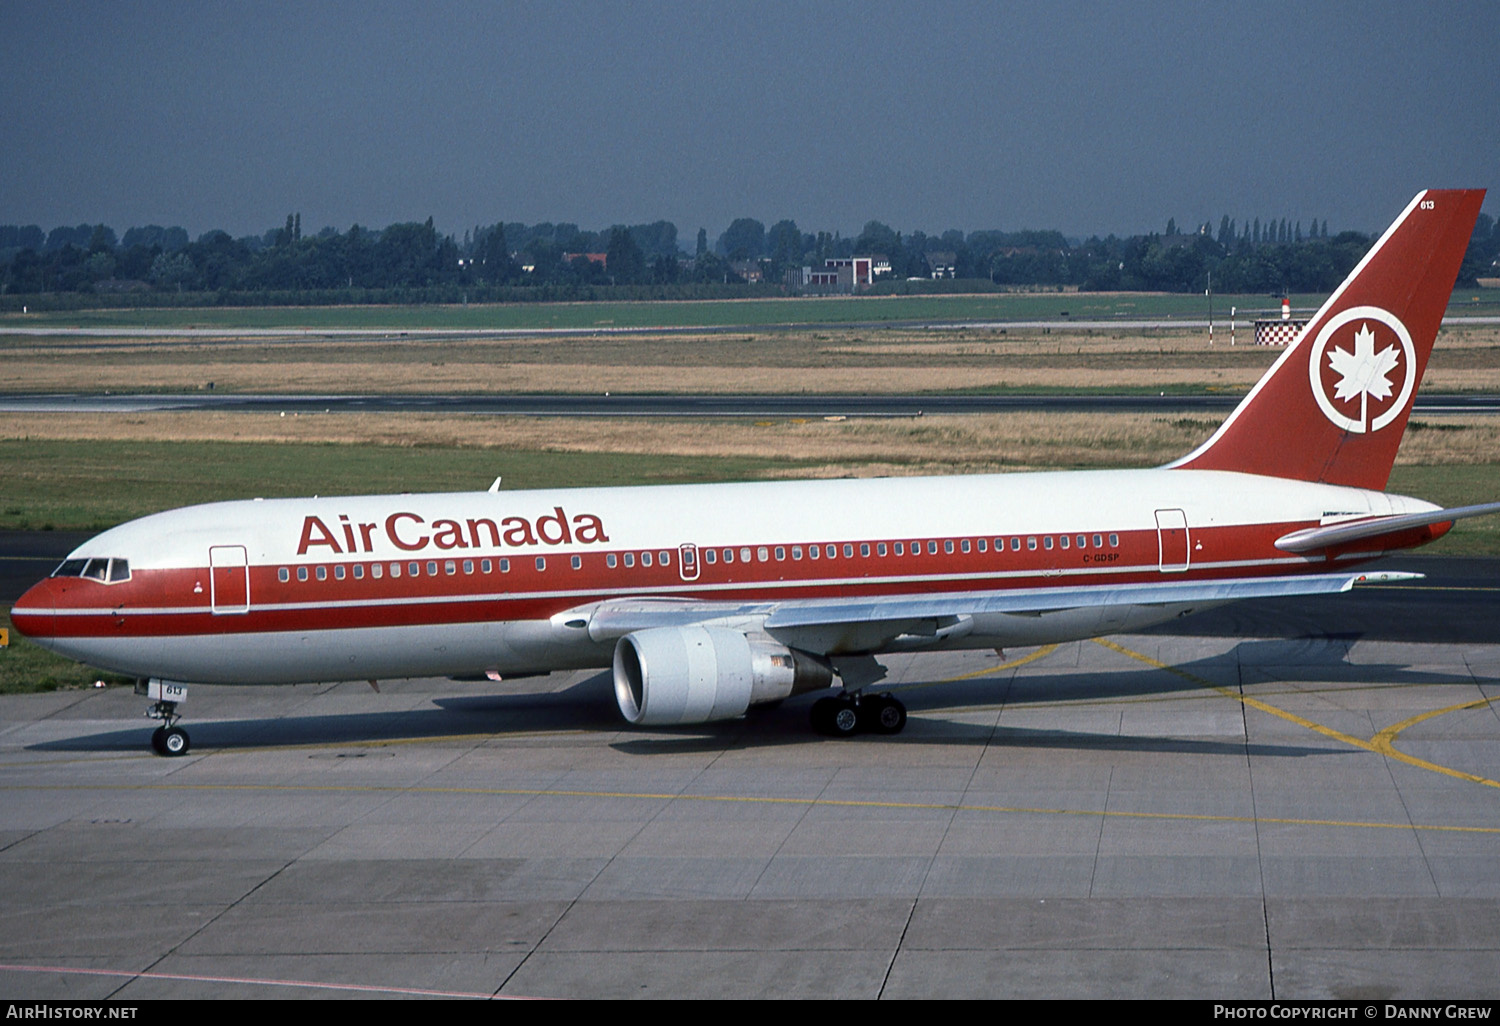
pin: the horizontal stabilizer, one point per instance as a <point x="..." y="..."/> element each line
<point x="1312" y="539"/>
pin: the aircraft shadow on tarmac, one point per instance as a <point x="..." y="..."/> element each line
<point x="588" y="707"/>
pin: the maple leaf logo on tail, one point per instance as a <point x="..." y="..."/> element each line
<point x="1360" y="367"/>
<point x="1364" y="372"/>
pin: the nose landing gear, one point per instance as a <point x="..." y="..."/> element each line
<point x="168" y="739"/>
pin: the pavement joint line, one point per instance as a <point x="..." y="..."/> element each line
<point x="1380" y="744"/>
<point x="843" y="803"/>
<point x="250" y="980"/>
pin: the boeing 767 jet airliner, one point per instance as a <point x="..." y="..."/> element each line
<point x="708" y="599"/>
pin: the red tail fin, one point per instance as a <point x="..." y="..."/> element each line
<point x="1334" y="407"/>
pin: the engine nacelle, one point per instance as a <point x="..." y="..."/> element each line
<point x="669" y="675"/>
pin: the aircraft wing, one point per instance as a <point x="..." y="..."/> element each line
<point x="871" y="622"/>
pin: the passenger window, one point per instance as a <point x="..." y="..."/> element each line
<point x="932" y="548"/>
<point x="1031" y="544"/>
<point x="611" y="561"/>
<point x="359" y="571"/>
<point x="376" y="569"/>
<point x="948" y="546"/>
<point x="728" y="556"/>
<point x="1015" y="545"/>
<point x="1114" y="541"/>
<point x="814" y="552"/>
<point x="831" y="551"/>
<point x="744" y="555"/>
<point x="645" y="559"/>
<point x="450" y="567"/>
<point x="395" y="570"/>
<point x="1083" y="541"/>
<point x="321" y="573"/>
<point x="432" y="568"/>
<point x="664" y="558"/>
<point x="629" y="559"/>
<point x="414" y="569"/>
<point x="880" y="549"/>
<point x="485" y="566"/>
<point x="1047" y="543"/>
<point x="541" y="562"/>
<point x="1098" y="541"/>
<point x="864" y="549"/>
<point x="338" y="572"/>
<point x="283" y="575"/>
<point x="577" y="562"/>
<point x="468" y="566"/>
<point x="780" y="553"/>
<point x="710" y="556"/>
<point x="1063" y="541"/>
<point x="848" y="551"/>
<point x="900" y="549"/>
<point x="796" y="551"/>
<point x="302" y="573"/>
<point x="505" y="566"/>
<point x="762" y="553"/>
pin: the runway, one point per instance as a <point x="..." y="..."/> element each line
<point x="1313" y="815"/>
<point x="681" y="405"/>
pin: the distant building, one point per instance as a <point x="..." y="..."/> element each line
<point x="750" y="270"/>
<point x="602" y="259"/>
<point x="942" y="264"/>
<point x="845" y="274"/>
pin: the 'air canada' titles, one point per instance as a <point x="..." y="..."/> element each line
<point x="410" y="532"/>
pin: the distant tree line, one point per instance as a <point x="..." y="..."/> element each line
<point x="413" y="262"/>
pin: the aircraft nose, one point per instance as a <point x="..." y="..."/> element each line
<point x="32" y="614"/>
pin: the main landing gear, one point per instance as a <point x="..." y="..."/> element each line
<point x="168" y="739"/>
<point x="852" y="713"/>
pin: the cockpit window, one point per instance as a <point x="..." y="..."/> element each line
<point x="100" y="568"/>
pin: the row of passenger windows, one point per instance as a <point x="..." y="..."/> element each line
<point x="744" y="554"/>
<point x="376" y="571"/>
<point x="949" y="546"/>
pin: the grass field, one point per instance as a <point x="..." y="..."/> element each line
<point x="749" y="313"/>
<point x="831" y="360"/>
<point x="686" y="313"/>
<point x="92" y="471"/>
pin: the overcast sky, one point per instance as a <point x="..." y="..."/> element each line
<point x="1088" y="118"/>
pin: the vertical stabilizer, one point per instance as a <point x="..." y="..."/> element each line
<point x="1334" y="406"/>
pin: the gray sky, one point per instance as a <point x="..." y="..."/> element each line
<point x="1106" y="117"/>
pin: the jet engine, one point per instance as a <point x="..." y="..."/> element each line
<point x="669" y="675"/>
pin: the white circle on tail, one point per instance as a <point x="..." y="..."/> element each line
<point x="1366" y="347"/>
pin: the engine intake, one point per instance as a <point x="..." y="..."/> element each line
<point x="670" y="675"/>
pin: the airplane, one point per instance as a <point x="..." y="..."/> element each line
<point x="706" y="600"/>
